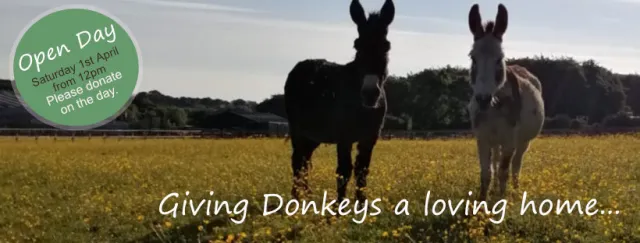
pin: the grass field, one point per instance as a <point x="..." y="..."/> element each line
<point x="109" y="191"/>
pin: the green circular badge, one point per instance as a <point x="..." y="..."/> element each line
<point x="76" y="68"/>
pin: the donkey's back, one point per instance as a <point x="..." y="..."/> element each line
<point x="312" y="77"/>
<point x="532" y="110"/>
<point x="312" y="103"/>
<point x="525" y="75"/>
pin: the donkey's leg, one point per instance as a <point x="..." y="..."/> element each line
<point x="363" y="160"/>
<point x="521" y="148"/>
<point x="507" y="150"/>
<point x="344" y="170"/>
<point x="302" y="150"/>
<point x="495" y="163"/>
<point x="484" y="155"/>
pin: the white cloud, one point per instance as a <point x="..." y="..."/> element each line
<point x="432" y="20"/>
<point x="627" y="1"/>
<point x="195" y="5"/>
<point x="250" y="58"/>
<point x="238" y="54"/>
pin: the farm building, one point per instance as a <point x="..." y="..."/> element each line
<point x="249" y="121"/>
<point x="14" y="115"/>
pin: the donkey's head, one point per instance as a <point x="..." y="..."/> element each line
<point x="488" y="68"/>
<point x="372" y="48"/>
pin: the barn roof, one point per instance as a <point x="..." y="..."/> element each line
<point x="5" y="84"/>
<point x="8" y="99"/>
<point x="258" y="116"/>
<point x="262" y="117"/>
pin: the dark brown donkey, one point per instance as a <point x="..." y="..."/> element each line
<point x="341" y="104"/>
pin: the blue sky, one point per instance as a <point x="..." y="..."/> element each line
<point x="245" y="48"/>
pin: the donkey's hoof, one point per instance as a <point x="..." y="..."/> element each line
<point x="340" y="197"/>
<point x="502" y="194"/>
<point x="294" y="193"/>
<point x="482" y="197"/>
<point x="298" y="192"/>
<point x="361" y="196"/>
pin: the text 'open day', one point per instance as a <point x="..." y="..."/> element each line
<point x="84" y="38"/>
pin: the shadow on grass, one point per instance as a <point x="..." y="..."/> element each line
<point x="448" y="229"/>
<point x="192" y="232"/>
<point x="443" y="228"/>
<point x="215" y="229"/>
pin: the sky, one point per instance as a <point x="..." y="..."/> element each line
<point x="233" y="49"/>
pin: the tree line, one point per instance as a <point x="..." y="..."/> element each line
<point x="576" y="95"/>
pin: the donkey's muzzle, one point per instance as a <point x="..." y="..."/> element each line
<point x="483" y="101"/>
<point x="370" y="97"/>
<point x="370" y="91"/>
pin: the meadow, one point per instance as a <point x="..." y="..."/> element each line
<point x="109" y="190"/>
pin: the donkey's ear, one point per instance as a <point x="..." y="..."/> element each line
<point x="388" y="12"/>
<point x="502" y="20"/>
<point x="357" y="13"/>
<point x="475" y="22"/>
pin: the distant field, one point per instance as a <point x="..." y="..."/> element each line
<point x="109" y="191"/>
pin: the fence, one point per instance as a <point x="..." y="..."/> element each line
<point x="132" y="133"/>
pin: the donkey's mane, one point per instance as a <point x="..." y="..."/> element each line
<point x="488" y="27"/>
<point x="374" y="16"/>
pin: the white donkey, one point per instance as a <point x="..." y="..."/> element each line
<point x="506" y="110"/>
